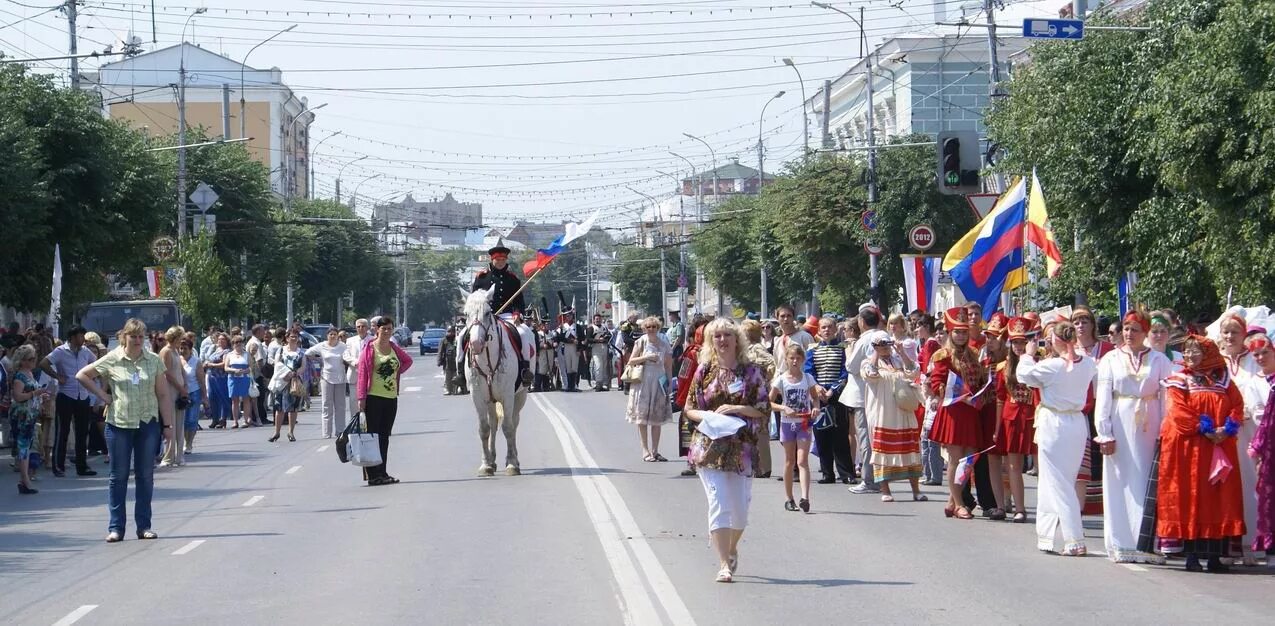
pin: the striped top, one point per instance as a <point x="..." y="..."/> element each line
<point x="827" y="363"/>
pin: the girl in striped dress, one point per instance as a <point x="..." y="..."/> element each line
<point x="896" y="433"/>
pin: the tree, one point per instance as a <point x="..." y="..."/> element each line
<point x="201" y="293"/>
<point x="1152" y="146"/>
<point x="637" y="275"/>
<point x="435" y="285"/>
<point x="72" y="177"/>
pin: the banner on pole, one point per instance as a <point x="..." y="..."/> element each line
<point x="920" y="277"/>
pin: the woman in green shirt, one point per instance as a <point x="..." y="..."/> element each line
<point x="138" y="414"/>
<point x="381" y="368"/>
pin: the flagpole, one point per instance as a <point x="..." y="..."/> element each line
<point x="521" y="289"/>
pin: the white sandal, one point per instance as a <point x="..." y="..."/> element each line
<point x="724" y="576"/>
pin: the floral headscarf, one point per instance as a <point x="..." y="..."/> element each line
<point x="1212" y="357"/>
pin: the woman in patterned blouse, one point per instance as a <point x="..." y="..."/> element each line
<point x="726" y="383"/>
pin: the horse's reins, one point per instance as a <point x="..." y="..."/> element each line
<point x="500" y="357"/>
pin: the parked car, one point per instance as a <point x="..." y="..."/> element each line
<point x="431" y="339"/>
<point x="403" y="335"/>
<point x="318" y="330"/>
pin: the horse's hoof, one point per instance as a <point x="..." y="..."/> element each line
<point x="486" y="471"/>
<point x="512" y="471"/>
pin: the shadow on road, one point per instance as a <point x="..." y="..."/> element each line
<point x="819" y="582"/>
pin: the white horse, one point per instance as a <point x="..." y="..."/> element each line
<point x="491" y="367"/>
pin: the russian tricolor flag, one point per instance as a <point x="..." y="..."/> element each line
<point x="989" y="259"/>
<point x="571" y="232"/>
<point x="956" y="389"/>
<point x="920" y="276"/>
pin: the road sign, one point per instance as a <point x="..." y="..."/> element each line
<point x="1053" y="29"/>
<point x="203" y="223"/>
<point x="163" y="248"/>
<point x="873" y="248"/>
<point x="921" y="237"/>
<point x="681" y="281"/>
<point x="982" y="203"/>
<point x="203" y="197"/>
<point x="869" y="220"/>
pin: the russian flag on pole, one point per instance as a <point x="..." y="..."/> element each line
<point x="571" y="232"/>
<point x="989" y="259"/>
<point x="1124" y="291"/>
<point x="153" y="284"/>
<point x="965" y="468"/>
<point x="920" y="276"/>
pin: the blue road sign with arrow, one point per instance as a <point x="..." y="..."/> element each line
<point x="1045" y="28"/>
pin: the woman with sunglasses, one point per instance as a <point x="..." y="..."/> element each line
<point x="28" y="397"/>
<point x="287" y="386"/>
<point x="381" y="368"/>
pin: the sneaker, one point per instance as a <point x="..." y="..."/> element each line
<point x="862" y="488"/>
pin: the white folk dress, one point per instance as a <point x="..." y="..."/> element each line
<point x="1061" y="438"/>
<point x="1252" y="384"/>
<point x="648" y="400"/>
<point x="1129" y="408"/>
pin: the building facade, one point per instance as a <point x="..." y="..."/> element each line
<point x="142" y="91"/>
<point x="444" y="220"/>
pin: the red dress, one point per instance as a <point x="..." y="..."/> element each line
<point x="1018" y="415"/>
<point x="959" y="424"/>
<point x="1189" y="507"/>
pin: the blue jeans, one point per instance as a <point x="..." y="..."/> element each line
<point x="192" y="411"/>
<point x="136" y="447"/>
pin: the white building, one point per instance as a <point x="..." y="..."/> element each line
<point x="142" y="90"/>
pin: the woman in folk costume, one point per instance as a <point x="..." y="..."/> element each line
<point x="1128" y="411"/>
<point x="955" y="376"/>
<point x="896" y="433"/>
<point x="1200" y="501"/>
<point x="1061" y="437"/>
<point x="1262" y="452"/>
<point x="1089" y="478"/>
<point x="1016" y="413"/>
<point x="686" y="370"/>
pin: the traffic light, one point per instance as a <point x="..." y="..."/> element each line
<point x="959" y="161"/>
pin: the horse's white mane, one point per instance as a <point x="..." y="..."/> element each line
<point x="477" y="304"/>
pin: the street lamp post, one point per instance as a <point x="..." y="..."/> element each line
<point x="681" y="244"/>
<point x="761" y="182"/>
<point x="342" y="171"/>
<point x="805" y="119"/>
<point x="699" y="273"/>
<point x="287" y="172"/>
<point x="355" y="198"/>
<point x="699" y="211"/>
<point x="243" y="119"/>
<point x="659" y="241"/>
<point x="313" y="152"/>
<point x="181" y="131"/>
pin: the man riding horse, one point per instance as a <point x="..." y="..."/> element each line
<point x="507" y="285"/>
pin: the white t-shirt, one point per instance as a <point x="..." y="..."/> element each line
<point x="189" y="367"/>
<point x="333" y="359"/>
<point x="796" y="395"/>
<point x="852" y="396"/>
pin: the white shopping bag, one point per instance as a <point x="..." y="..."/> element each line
<point x="364" y="449"/>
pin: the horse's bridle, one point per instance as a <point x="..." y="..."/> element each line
<point x="490" y="321"/>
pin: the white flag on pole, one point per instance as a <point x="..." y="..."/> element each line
<point x="55" y="302"/>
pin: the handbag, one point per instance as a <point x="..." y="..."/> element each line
<point x="364" y="449"/>
<point x="254" y="391"/>
<point x="632" y="373"/>
<point x="343" y="440"/>
<point x="906" y="395"/>
<point x="295" y="387"/>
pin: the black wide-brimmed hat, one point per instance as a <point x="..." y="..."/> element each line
<point x="499" y="248"/>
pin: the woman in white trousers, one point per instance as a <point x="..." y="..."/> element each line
<point x="1061" y="436"/>
<point x="331" y="382"/>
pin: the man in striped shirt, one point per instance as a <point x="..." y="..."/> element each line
<point x="826" y="362"/>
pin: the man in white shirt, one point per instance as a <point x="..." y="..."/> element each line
<point x="354" y="350"/>
<point x="72" y="407"/>
<point x="256" y="348"/>
<point x="870" y="328"/>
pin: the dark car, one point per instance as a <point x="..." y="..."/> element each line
<point x="431" y="339"/>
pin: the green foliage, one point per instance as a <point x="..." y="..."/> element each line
<point x="434" y="286"/>
<point x="1157" y="147"/>
<point x="69" y="176"/>
<point x="566" y="273"/>
<point x="201" y="293"/>
<point x="638" y="275"/>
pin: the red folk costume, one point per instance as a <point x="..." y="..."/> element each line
<point x="1208" y="517"/>
<point x="1017" y="402"/>
<point x="996" y="327"/>
<point x="957" y="423"/>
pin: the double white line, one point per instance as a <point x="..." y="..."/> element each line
<point x="633" y="563"/>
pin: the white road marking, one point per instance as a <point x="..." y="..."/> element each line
<point x="293" y="469"/>
<point x="618" y="532"/>
<point x="188" y="547"/>
<point x="1134" y="567"/>
<point x="438" y="376"/>
<point x="322" y="448"/>
<point x="253" y="500"/>
<point x="413" y="389"/>
<point x="74" y="616"/>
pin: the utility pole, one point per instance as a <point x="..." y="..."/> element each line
<point x="70" y="8"/>
<point x="994" y="62"/>
<point x="827" y="115"/>
<point x="181" y="148"/>
<point x="1079" y="8"/>
<point x="225" y="111"/>
<point x="761" y="177"/>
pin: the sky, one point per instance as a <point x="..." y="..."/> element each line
<point x="543" y="110"/>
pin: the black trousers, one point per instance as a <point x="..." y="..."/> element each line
<point x="262" y="414"/>
<point x="986" y="498"/>
<point x="834" y="445"/>
<point x="380" y="414"/>
<point x="78" y="413"/>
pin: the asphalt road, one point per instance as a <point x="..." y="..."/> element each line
<point x="254" y="533"/>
